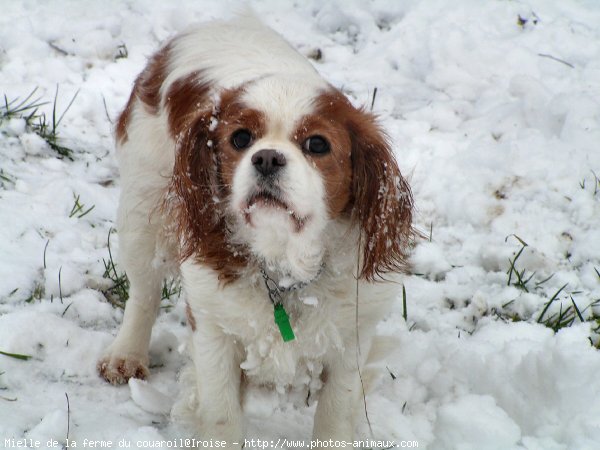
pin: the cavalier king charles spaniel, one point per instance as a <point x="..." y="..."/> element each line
<point x="281" y="206"/>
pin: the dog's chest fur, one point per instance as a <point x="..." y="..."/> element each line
<point x="321" y="316"/>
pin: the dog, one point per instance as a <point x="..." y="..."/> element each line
<point x="283" y="209"/>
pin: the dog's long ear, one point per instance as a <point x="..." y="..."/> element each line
<point x="382" y="200"/>
<point x="194" y="186"/>
<point x="195" y="196"/>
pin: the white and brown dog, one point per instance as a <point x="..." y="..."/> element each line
<point x="282" y="205"/>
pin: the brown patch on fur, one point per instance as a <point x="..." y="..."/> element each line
<point x="233" y="116"/>
<point x="380" y="200"/>
<point x="149" y="82"/>
<point x="185" y="98"/>
<point x="198" y="207"/>
<point x="335" y="166"/>
<point x="146" y="88"/>
<point x="190" y="316"/>
<point x="203" y="171"/>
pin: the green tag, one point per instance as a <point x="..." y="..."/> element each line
<point x="283" y="322"/>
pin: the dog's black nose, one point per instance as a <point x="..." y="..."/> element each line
<point x="268" y="162"/>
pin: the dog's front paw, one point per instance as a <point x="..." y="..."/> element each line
<point x="119" y="369"/>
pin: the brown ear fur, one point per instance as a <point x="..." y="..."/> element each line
<point x="196" y="199"/>
<point x="382" y="199"/>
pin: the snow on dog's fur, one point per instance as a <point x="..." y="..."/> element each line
<point x="236" y="157"/>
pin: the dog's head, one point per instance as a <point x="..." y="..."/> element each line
<point x="265" y="169"/>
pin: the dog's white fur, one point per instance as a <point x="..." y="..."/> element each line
<point x="235" y="332"/>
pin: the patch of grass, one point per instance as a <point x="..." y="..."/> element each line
<point x="520" y="279"/>
<point x="171" y="289"/>
<point x="25" y="109"/>
<point x="46" y="128"/>
<point x="569" y="310"/>
<point x="37" y="293"/>
<point x="549" y="321"/>
<point x="118" y="293"/>
<point x="570" y="314"/>
<point x="5" y="179"/>
<point x="78" y="208"/>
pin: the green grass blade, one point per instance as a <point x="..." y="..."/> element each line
<point x="16" y="355"/>
<point x="404" y="310"/>
<point x="523" y="243"/>
<point x="550" y="302"/>
<point x="68" y="106"/>
<point x="86" y="212"/>
<point x="538" y="284"/>
<point x="577" y="309"/>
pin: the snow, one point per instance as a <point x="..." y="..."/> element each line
<point x="148" y="398"/>
<point x="495" y="124"/>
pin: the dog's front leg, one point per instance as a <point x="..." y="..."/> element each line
<point x="335" y="415"/>
<point x="218" y="377"/>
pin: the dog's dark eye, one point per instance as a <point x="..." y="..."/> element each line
<point x="241" y="139"/>
<point x="317" y="145"/>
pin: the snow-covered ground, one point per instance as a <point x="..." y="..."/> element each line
<point x="495" y="119"/>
